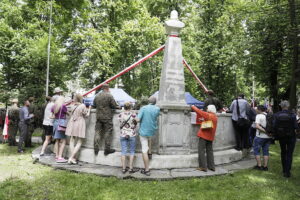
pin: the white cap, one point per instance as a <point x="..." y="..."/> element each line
<point x="57" y="90"/>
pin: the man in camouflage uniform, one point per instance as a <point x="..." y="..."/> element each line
<point x="104" y="103"/>
<point x="212" y="100"/>
<point x="13" y="116"/>
<point x="32" y="122"/>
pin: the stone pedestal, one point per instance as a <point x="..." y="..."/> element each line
<point x="168" y="151"/>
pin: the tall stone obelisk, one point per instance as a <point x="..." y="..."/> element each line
<point x="174" y="119"/>
<point x="172" y="86"/>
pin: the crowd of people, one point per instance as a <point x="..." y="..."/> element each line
<point x="256" y="127"/>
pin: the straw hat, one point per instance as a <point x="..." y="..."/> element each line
<point x="57" y="90"/>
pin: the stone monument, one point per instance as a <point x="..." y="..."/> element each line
<point x="171" y="99"/>
<point x="175" y="143"/>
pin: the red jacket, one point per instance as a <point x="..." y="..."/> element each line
<point x="207" y="134"/>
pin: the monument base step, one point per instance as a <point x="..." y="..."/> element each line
<point x="158" y="161"/>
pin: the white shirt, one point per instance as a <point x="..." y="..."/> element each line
<point x="47" y="120"/>
<point x="262" y="121"/>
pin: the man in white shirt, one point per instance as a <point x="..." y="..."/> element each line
<point x="261" y="140"/>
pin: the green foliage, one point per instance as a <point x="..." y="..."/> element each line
<point x="102" y="46"/>
<point x="213" y="45"/>
<point x="227" y="43"/>
<point x="268" y="43"/>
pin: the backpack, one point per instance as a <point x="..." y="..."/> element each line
<point x="284" y="126"/>
<point x="251" y="115"/>
<point x="269" y="127"/>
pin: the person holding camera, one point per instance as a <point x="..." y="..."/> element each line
<point x="128" y="136"/>
<point x="262" y="139"/>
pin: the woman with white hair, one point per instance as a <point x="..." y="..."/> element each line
<point x="76" y="126"/>
<point x="60" y="112"/>
<point x="206" y="136"/>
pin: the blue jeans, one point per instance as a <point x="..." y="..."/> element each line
<point x="58" y="134"/>
<point x="261" y="143"/>
<point x="131" y="142"/>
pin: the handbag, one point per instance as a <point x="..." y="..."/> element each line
<point x="207" y="124"/>
<point x="125" y="122"/>
<point x="62" y="123"/>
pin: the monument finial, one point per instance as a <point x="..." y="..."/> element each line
<point x="173" y="25"/>
<point x="174" y="15"/>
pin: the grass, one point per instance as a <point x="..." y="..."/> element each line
<point x="20" y="179"/>
<point x="38" y="132"/>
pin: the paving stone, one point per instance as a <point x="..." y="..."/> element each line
<point x="243" y="164"/>
<point x="192" y="172"/>
<point x="156" y="174"/>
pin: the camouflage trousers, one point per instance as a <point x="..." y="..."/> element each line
<point x="103" y="130"/>
<point x="29" y="135"/>
<point x="12" y="133"/>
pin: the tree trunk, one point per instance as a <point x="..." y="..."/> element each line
<point x="295" y="50"/>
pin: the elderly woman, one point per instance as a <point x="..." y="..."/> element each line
<point x="59" y="111"/>
<point x="76" y="126"/>
<point x="206" y="137"/>
<point x="128" y="136"/>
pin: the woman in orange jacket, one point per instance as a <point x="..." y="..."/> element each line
<point x="206" y="138"/>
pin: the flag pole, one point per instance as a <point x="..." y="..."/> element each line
<point x="48" y="49"/>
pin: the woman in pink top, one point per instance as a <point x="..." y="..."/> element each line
<point x="76" y="126"/>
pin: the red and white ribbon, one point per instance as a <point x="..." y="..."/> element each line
<point x="195" y="76"/>
<point x="127" y="69"/>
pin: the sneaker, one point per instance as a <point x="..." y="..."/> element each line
<point x="20" y="151"/>
<point x="212" y="169"/>
<point x="265" y="168"/>
<point x="61" y="160"/>
<point x="96" y="151"/>
<point x="42" y="154"/>
<point x="287" y="175"/>
<point x="257" y="167"/>
<point x="109" y="151"/>
<point x="202" y="169"/>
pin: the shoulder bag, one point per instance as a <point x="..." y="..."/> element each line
<point x="241" y="122"/>
<point x="208" y="124"/>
